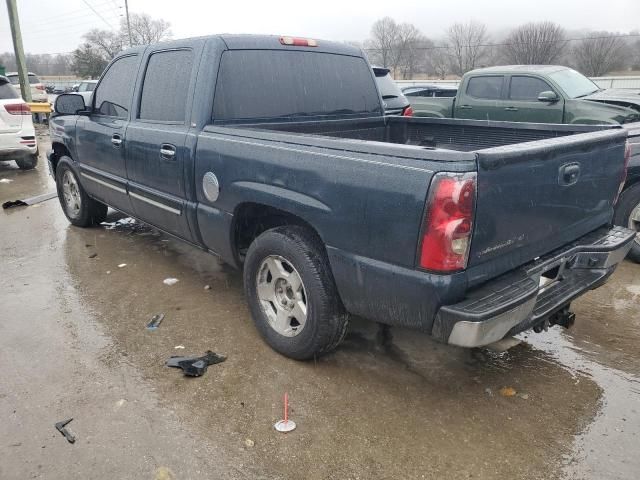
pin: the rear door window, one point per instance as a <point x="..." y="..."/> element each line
<point x="527" y="88"/>
<point x="7" y="91"/>
<point x="486" y="87"/>
<point x="113" y="94"/>
<point x="165" y="86"/>
<point x="263" y="84"/>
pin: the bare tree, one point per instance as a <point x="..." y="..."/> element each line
<point x="599" y="55"/>
<point x="408" y="50"/>
<point x="145" y="30"/>
<point x="466" y="45"/>
<point x="540" y="43"/>
<point x="438" y="61"/>
<point x="105" y="42"/>
<point x="381" y="45"/>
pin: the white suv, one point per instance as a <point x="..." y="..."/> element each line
<point x="38" y="90"/>
<point x="17" y="135"/>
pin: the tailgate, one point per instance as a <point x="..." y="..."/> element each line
<point x="537" y="196"/>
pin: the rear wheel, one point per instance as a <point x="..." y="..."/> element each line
<point x="291" y="293"/>
<point x="80" y="209"/>
<point x="628" y="215"/>
<point x="28" y="163"/>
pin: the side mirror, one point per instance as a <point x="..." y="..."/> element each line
<point x="548" y="96"/>
<point x="70" y="104"/>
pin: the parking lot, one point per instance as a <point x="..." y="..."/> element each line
<point x="73" y="343"/>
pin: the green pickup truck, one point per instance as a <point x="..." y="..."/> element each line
<point x="532" y="93"/>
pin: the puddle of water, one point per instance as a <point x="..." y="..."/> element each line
<point x="605" y="449"/>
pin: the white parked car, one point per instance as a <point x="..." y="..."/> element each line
<point x="86" y="88"/>
<point x="38" y="90"/>
<point x="17" y="135"/>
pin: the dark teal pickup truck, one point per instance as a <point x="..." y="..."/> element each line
<point x="531" y="93"/>
<point x="275" y="154"/>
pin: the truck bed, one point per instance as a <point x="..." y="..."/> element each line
<point x="430" y="133"/>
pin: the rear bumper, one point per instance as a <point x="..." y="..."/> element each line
<point x="519" y="300"/>
<point x="17" y="144"/>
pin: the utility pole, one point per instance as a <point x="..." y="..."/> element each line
<point x="14" y="21"/>
<point x="126" y="7"/>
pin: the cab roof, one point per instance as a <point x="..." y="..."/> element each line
<point x="505" y="69"/>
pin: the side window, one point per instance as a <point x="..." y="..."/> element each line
<point x="165" y="86"/>
<point x="485" y="87"/>
<point x="527" y="88"/>
<point x="113" y="94"/>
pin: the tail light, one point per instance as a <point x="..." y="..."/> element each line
<point x="448" y="224"/>
<point x="298" y="42"/>
<point x="39" y="87"/>
<point x="623" y="179"/>
<point x="407" y="112"/>
<point x="18" y="109"/>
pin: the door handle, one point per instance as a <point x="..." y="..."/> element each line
<point x="116" y="140"/>
<point x="167" y="151"/>
<point x="465" y="107"/>
<point x="511" y="109"/>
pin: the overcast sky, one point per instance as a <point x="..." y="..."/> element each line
<point x="50" y="26"/>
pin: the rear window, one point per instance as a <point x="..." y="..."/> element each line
<point x="262" y="84"/>
<point x="87" y="87"/>
<point x="165" y="86"/>
<point x="489" y="88"/>
<point x="7" y="91"/>
<point x="388" y="88"/>
<point x="16" y="80"/>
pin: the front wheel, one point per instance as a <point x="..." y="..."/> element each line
<point x="80" y="209"/>
<point x="628" y="215"/>
<point x="291" y="293"/>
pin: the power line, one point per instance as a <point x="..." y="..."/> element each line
<point x="69" y="14"/>
<point x="96" y="12"/>
<point x="447" y="47"/>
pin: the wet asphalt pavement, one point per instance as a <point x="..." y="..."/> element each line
<point x="73" y="343"/>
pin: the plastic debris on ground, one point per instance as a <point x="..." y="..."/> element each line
<point x="29" y="201"/>
<point x="207" y="287"/>
<point x="195" y="366"/>
<point x="285" y="425"/>
<point x="179" y="347"/>
<point x="507" y="391"/>
<point x="62" y="428"/>
<point x="170" y="281"/>
<point x="118" y="223"/>
<point x="155" y="322"/>
<point x="5" y="180"/>
<point x="122" y="265"/>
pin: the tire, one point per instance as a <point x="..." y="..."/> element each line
<point x="628" y="215"/>
<point x="28" y="163"/>
<point x="79" y="208"/>
<point x="290" y="251"/>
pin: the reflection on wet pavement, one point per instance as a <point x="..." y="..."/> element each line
<point x="390" y="403"/>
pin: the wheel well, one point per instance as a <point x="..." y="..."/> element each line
<point x="252" y="219"/>
<point x="59" y="150"/>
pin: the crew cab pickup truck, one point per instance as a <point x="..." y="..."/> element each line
<point x="532" y="93"/>
<point x="286" y="166"/>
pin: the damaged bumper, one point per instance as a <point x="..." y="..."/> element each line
<point x="532" y="294"/>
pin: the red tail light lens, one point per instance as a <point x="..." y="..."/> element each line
<point x="623" y="180"/>
<point x="446" y="234"/>
<point x="18" y="109"/>
<point x="39" y="87"/>
<point x="407" y="112"/>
